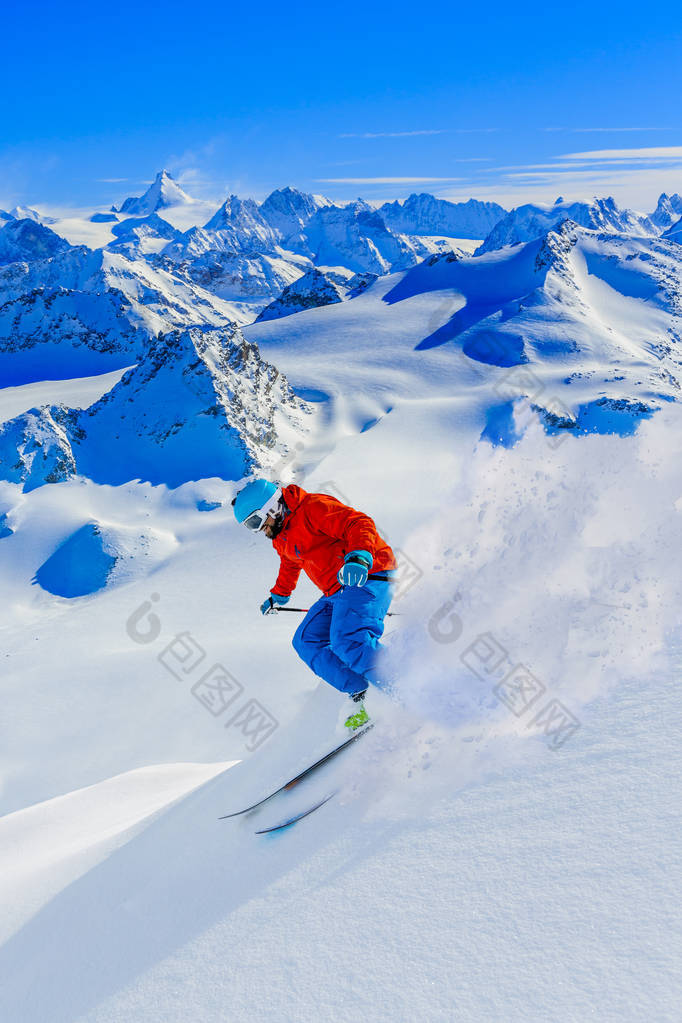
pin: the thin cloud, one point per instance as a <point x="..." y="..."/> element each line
<point x="111" y="181"/>
<point x="392" y="134"/>
<point x="636" y="187"/>
<point x="549" y="167"/>
<point x="411" y="134"/>
<point x="608" y="130"/>
<point x="380" y="181"/>
<point x="644" y="153"/>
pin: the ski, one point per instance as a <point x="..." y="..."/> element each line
<point x="293" y="820"/>
<point x="299" y="777"/>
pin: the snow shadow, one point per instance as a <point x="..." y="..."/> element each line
<point x="138" y="908"/>
<point x="79" y="566"/>
<point x="480" y="288"/>
<point x="63" y="361"/>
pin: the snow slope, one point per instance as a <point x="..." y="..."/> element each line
<point x="584" y="328"/>
<point x="526" y="877"/>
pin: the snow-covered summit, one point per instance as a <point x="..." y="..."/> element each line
<point x="242" y="226"/>
<point x="288" y="211"/>
<point x="162" y="193"/>
<point x="27" y="241"/>
<point x="533" y="220"/>
<point x="356" y="236"/>
<point x="424" y="214"/>
<point x="315" y="288"/>
<point x="668" y="211"/>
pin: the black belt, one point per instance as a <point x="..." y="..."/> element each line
<point x="382" y="578"/>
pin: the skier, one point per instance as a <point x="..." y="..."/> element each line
<point x="340" y="551"/>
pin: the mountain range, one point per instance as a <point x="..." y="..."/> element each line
<point x="587" y="287"/>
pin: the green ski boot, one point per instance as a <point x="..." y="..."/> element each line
<point x="357" y="719"/>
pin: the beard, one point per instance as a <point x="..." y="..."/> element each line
<point x="273" y="531"/>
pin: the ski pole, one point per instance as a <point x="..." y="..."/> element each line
<point x="304" y="610"/>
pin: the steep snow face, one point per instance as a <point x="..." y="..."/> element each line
<point x="289" y="211"/>
<point x="84" y="312"/>
<point x="251" y="279"/>
<point x="28" y="241"/>
<point x="667" y="212"/>
<point x="35" y="448"/>
<point x="355" y="236"/>
<point x="5" y="528"/>
<point x="79" y="566"/>
<point x="531" y="221"/>
<point x="241" y="227"/>
<point x="201" y="403"/>
<point x="162" y="193"/>
<point x="674" y="233"/>
<point x="315" y="288"/>
<point x="424" y="214"/>
<point x="235" y="255"/>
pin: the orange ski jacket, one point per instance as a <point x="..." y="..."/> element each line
<point x="318" y="532"/>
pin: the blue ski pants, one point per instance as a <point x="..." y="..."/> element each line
<point x="339" y="637"/>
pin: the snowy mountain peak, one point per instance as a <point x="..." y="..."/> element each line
<point x="423" y="214"/>
<point x="235" y="212"/>
<point x="27" y="241"/>
<point x="668" y="211"/>
<point x="237" y="227"/>
<point x="289" y="211"/>
<point x="555" y="248"/>
<point x="200" y="403"/>
<point x="533" y="220"/>
<point x="27" y="213"/>
<point x="313" y="289"/>
<point x="162" y="193"/>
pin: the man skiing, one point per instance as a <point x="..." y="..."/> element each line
<point x="340" y="551"/>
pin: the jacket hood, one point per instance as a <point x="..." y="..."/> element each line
<point x="293" y="495"/>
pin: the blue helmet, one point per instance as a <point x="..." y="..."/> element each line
<point x="255" y="502"/>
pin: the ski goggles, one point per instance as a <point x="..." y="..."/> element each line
<point x="256" y="520"/>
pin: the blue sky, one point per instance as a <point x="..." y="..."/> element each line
<point x="373" y="99"/>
